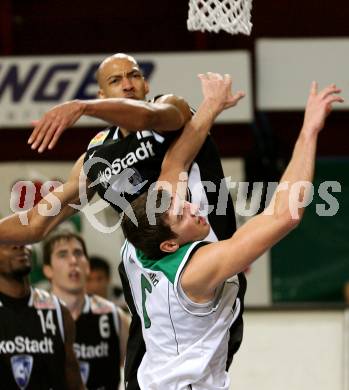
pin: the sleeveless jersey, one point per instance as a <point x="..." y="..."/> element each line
<point x="110" y="149"/>
<point x="186" y="342"/>
<point x="32" y="354"/>
<point x="97" y="344"/>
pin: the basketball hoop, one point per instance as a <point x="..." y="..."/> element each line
<point x="232" y="16"/>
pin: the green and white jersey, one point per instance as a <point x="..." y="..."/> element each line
<point x="186" y="342"/>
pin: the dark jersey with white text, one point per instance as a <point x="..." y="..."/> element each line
<point x="97" y="344"/>
<point x="123" y="168"/>
<point x="139" y="156"/>
<point x="32" y="354"/>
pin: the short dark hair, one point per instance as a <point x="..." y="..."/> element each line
<point x="147" y="236"/>
<point x="98" y="263"/>
<point x="55" y="237"/>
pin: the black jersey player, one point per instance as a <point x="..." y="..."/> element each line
<point x="101" y="328"/>
<point x="36" y="331"/>
<point x="119" y="76"/>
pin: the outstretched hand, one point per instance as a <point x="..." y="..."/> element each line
<point x="218" y="90"/>
<point x="50" y="127"/>
<point x="319" y="105"/>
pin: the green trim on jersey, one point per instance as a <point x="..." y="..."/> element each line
<point x="168" y="265"/>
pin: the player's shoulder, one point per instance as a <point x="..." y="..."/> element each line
<point x="42" y="299"/>
<point x="171" y="98"/>
<point x="167" y="98"/>
<point x="160" y="98"/>
<point x="101" y="305"/>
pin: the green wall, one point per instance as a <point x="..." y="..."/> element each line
<point x="312" y="263"/>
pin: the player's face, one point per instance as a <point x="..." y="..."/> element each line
<point x="69" y="266"/>
<point x="188" y="224"/>
<point x="15" y="260"/>
<point x="97" y="283"/>
<point x="122" y="78"/>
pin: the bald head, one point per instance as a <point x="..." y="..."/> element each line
<point x="119" y="76"/>
<point x="112" y="59"/>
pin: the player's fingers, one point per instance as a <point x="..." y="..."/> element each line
<point x="202" y="76"/>
<point x="42" y="128"/>
<point x="48" y="137"/>
<point x="36" y="124"/>
<point x="330" y="89"/>
<point x="56" y="136"/>
<point x="314" y="88"/>
<point x="331" y="92"/>
<point x="228" y="81"/>
<point x="236" y="98"/>
<point x="240" y="94"/>
<point x="218" y="76"/>
<point x="334" y="99"/>
<point x="214" y="76"/>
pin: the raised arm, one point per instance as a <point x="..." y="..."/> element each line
<point x="217" y="97"/>
<point x="168" y="113"/>
<point x="33" y="225"/>
<point x="214" y="263"/>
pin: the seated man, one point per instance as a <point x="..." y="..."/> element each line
<point x="185" y="288"/>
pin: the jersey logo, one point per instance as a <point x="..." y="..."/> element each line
<point x="22" y="368"/>
<point x="84" y="371"/>
<point x="98" y="139"/>
<point x="143" y="152"/>
<point x="91" y="155"/>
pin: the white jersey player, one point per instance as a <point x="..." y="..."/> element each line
<point x="184" y="288"/>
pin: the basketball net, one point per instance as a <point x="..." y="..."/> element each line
<point x="232" y="16"/>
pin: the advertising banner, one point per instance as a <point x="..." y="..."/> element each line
<point x="31" y="85"/>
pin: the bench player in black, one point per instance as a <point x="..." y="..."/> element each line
<point x="36" y="331"/>
<point x="101" y="328"/>
<point x="117" y="148"/>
